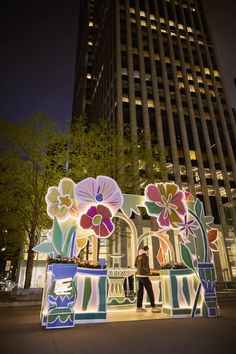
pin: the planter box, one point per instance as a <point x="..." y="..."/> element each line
<point x="73" y="295"/>
<point x="178" y="288"/>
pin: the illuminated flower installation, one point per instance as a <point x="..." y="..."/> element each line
<point x="102" y="190"/>
<point x="61" y="201"/>
<point x="165" y="201"/>
<point x="98" y="218"/>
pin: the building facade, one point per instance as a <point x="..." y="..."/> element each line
<point x="151" y="65"/>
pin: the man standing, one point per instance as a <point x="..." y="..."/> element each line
<point x="143" y="270"/>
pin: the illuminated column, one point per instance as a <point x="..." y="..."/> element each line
<point x="156" y="99"/>
<point x="119" y="115"/>
<point x="146" y="122"/>
<point x="174" y="149"/>
<point x="181" y="120"/>
<point x="132" y="109"/>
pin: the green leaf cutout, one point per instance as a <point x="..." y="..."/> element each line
<point x="152" y="208"/>
<point x="45" y="247"/>
<point x="57" y="237"/>
<point x="198" y="207"/>
<point x="186" y="256"/>
<point x="68" y="240"/>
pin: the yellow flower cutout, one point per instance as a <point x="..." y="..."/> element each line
<point x="61" y="201"/>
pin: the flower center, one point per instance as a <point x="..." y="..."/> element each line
<point x="99" y="197"/>
<point x="65" y="201"/>
<point x="97" y="220"/>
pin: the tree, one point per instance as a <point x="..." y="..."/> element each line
<point x="32" y="158"/>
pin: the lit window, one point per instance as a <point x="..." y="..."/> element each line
<point x="125" y="99"/>
<point x="171" y="23"/>
<point x="216" y="73"/>
<point x="219" y="174"/>
<point x="133" y="20"/>
<point x="143" y="23"/>
<point x="90" y="24"/>
<point x="180" y="26"/>
<point x="162" y="20"/>
<point x="163" y="30"/>
<point x="201" y="89"/>
<point x="192" y="8"/>
<point x="142" y="13"/>
<point x="192" y="155"/>
<point x="212" y="93"/>
<point x="153" y="26"/>
<point x="136" y="74"/>
<point x="199" y="79"/>
<point x="200" y="42"/>
<point x="157" y="57"/>
<point x="190" y="77"/>
<point x="172" y="34"/>
<point x="191" y="39"/>
<point x="152" y="17"/>
<point x="90" y="43"/>
<point x="191" y="88"/>
<point x="123" y="71"/>
<point x="146" y="54"/>
<point x="179" y="74"/>
<point x="181" y="85"/>
<point x="207" y="71"/>
<point x="132" y="10"/>
<point x="189" y="29"/>
<point x="167" y="60"/>
<point x="150" y="103"/>
<point x="138" y="102"/>
<point x="88" y="76"/>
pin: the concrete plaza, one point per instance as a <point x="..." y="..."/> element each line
<point x="21" y="333"/>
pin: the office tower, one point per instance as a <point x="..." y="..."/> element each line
<point x="151" y="64"/>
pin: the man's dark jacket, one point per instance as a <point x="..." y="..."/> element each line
<point x="142" y="264"/>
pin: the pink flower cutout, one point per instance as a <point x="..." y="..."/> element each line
<point x="165" y="201"/>
<point x="98" y="218"/>
<point x="102" y="190"/>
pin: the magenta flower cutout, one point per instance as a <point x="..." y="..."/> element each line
<point x="165" y="201"/>
<point x="98" y="218"/>
<point x="102" y="190"/>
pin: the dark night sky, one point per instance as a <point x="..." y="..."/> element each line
<point x="38" y="47"/>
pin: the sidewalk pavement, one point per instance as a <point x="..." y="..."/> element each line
<point x="21" y="333"/>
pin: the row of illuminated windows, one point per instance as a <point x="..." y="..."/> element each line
<point x="124" y="72"/>
<point x="150" y="104"/>
<point x="168" y="60"/>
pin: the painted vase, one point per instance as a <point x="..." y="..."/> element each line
<point x="208" y="281"/>
<point x="61" y="296"/>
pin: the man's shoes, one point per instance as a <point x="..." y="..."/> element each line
<point x="140" y="309"/>
<point x="155" y="310"/>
